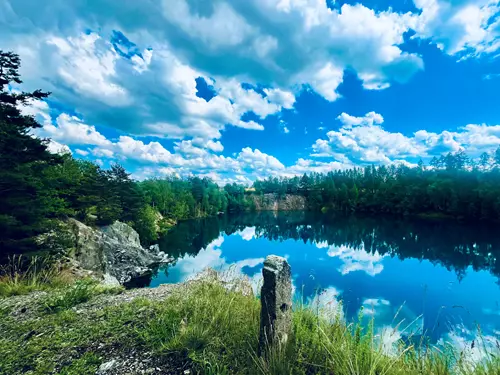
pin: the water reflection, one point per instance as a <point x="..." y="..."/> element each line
<point x="420" y="276"/>
<point x="356" y="240"/>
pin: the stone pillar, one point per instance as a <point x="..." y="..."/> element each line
<point x="276" y="301"/>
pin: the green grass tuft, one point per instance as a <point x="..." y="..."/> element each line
<point x="23" y="275"/>
<point x="79" y="292"/>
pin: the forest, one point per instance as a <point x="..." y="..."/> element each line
<point x="38" y="188"/>
<point x="453" y="185"/>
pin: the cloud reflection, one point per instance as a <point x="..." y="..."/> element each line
<point x="356" y="260"/>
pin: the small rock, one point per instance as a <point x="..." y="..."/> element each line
<point x="106" y="367"/>
<point x="109" y="280"/>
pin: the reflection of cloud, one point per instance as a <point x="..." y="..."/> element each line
<point x="391" y="323"/>
<point x="207" y="257"/>
<point x="211" y="257"/>
<point x="247" y="234"/>
<point x="322" y="245"/>
<point x="487" y="311"/>
<point x="371" y="306"/>
<point x="474" y="348"/>
<point x="389" y="339"/>
<point x="248" y="263"/>
<point x="327" y="304"/>
<point x="357" y="260"/>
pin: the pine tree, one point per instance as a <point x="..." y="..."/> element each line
<point x="25" y="203"/>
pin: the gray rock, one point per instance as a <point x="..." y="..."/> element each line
<point x="155" y="248"/>
<point x="109" y="280"/>
<point x="272" y="202"/>
<point x="106" y="367"/>
<point x="276" y="303"/>
<point x="114" y="250"/>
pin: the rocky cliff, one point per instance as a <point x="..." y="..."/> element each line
<point x="113" y="252"/>
<point x="271" y="202"/>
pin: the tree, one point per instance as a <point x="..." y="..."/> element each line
<point x="146" y="226"/>
<point x="484" y="160"/>
<point x="496" y="157"/>
<point x="25" y="203"/>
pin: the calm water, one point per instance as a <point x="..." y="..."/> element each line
<point x="440" y="278"/>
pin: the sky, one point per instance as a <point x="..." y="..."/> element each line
<point x="239" y="90"/>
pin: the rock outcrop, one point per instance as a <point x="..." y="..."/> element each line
<point x="272" y="202"/>
<point x="113" y="251"/>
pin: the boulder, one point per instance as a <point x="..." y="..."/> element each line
<point x="114" y="251"/>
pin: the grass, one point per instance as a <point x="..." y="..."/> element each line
<point x="216" y="332"/>
<point x="22" y="275"/>
<point x="79" y="292"/>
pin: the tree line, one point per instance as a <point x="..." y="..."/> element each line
<point x="452" y="185"/>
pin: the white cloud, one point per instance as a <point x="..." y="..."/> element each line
<point x="362" y="140"/>
<point x="282" y="98"/>
<point x="72" y="131"/>
<point x="151" y="84"/>
<point x="82" y="152"/>
<point x="215" y="146"/>
<point x="57" y="148"/>
<point x="464" y="27"/>
<point x="87" y="69"/>
<point x="256" y="159"/>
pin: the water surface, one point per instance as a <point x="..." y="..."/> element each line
<point x="440" y="278"/>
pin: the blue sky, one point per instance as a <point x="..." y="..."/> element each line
<point x="239" y="90"/>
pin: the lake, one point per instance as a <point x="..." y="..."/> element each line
<point x="438" y="278"/>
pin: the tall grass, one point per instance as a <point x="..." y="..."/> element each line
<point x="22" y="275"/>
<point x="218" y="330"/>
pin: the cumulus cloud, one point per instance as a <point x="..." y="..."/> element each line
<point x="363" y="140"/>
<point x="138" y="74"/>
<point x="464" y="27"/>
<point x="152" y="76"/>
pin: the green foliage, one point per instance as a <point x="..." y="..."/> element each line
<point x="181" y="199"/>
<point x="146" y="225"/>
<point x="25" y="202"/>
<point x="213" y="325"/>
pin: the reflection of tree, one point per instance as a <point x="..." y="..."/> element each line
<point x="453" y="245"/>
